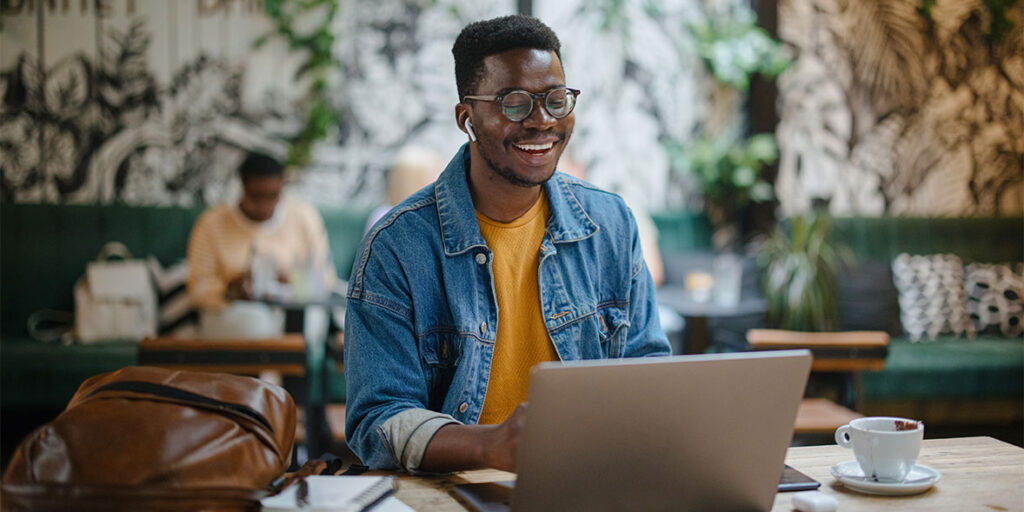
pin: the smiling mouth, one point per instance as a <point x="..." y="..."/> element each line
<point x="535" y="149"/>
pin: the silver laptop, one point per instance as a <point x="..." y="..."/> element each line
<point x="704" y="432"/>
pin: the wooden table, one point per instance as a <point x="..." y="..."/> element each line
<point x="978" y="473"/>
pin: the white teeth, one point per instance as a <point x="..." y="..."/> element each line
<point x="534" y="147"/>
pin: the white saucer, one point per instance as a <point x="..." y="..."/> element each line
<point x="920" y="479"/>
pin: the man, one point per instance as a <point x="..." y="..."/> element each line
<point x="499" y="265"/>
<point x="263" y="230"/>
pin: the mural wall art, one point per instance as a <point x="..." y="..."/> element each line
<point x="902" y="107"/>
<point x="150" y="102"/>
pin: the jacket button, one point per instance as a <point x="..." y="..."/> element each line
<point x="481" y="258"/>
<point x="463" y="407"/>
<point x="483" y="327"/>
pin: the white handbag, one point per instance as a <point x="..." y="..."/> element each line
<point x="115" y="299"/>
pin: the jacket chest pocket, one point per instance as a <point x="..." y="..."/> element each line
<point x="440" y="350"/>
<point x="612" y="326"/>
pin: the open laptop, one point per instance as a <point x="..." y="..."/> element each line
<point x="704" y="432"/>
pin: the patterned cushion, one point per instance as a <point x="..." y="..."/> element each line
<point x="178" y="317"/>
<point x="995" y="296"/>
<point x="931" y="295"/>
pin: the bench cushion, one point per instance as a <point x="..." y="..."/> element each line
<point x="46" y="375"/>
<point x="949" y="368"/>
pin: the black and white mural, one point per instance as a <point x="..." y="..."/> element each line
<point x="115" y="102"/>
<point x="902" y="107"/>
<point x="153" y="102"/>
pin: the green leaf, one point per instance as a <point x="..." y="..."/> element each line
<point x="762" y="147"/>
<point x="761" y="192"/>
<point x="744" y="177"/>
<point x="318" y="63"/>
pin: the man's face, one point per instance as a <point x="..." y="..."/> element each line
<point x="523" y="153"/>
<point x="260" y="195"/>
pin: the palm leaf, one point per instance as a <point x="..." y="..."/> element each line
<point x="886" y="42"/>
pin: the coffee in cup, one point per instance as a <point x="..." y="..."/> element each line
<point x="886" y="448"/>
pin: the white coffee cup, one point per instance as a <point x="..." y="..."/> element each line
<point x="886" y="448"/>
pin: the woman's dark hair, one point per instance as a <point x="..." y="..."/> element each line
<point x="257" y="165"/>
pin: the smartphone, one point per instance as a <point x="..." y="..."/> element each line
<point x="793" y="480"/>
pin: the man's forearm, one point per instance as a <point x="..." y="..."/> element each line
<point x="456" y="447"/>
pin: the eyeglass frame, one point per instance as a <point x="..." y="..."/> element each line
<point x="497" y="98"/>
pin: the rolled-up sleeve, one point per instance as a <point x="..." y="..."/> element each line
<point x="409" y="433"/>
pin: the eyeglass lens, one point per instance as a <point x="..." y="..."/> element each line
<point x="517" y="105"/>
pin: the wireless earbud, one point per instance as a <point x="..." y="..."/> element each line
<point x="469" y="130"/>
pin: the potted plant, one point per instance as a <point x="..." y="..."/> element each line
<point x="798" y="267"/>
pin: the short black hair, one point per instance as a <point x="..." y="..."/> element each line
<point x="258" y="165"/>
<point x="484" y="38"/>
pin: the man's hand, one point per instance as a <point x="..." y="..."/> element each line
<point x="462" y="447"/>
<point x="504" y="441"/>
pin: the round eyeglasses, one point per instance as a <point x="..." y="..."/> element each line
<point x="518" y="105"/>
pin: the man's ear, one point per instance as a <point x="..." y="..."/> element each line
<point x="462" y="119"/>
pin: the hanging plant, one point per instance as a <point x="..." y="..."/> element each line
<point x="316" y="43"/>
<point x="734" y="48"/>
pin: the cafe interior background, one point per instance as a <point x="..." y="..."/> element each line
<point x="891" y="126"/>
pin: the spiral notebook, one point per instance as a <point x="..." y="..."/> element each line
<point x="332" y="493"/>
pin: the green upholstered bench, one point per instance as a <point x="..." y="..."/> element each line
<point x="986" y="367"/>
<point x="45" y="375"/>
<point x="952" y="380"/>
<point x="45" y="249"/>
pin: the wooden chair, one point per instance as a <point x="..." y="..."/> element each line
<point x="849" y="352"/>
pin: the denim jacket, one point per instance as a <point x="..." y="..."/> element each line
<point x="422" y="314"/>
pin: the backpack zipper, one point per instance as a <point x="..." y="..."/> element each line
<point x="163" y="391"/>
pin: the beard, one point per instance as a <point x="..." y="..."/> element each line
<point x="509" y="175"/>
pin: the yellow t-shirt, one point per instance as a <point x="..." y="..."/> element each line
<point x="522" y="341"/>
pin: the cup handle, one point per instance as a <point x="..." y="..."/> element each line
<point x="843" y="436"/>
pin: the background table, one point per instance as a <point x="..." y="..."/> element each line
<point x="697" y="313"/>
<point x="978" y="473"/>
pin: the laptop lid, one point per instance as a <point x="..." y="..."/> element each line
<point x="704" y="432"/>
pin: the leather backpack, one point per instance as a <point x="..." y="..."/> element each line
<point x="144" y="438"/>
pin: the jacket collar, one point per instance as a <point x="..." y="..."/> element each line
<point x="460" y="232"/>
